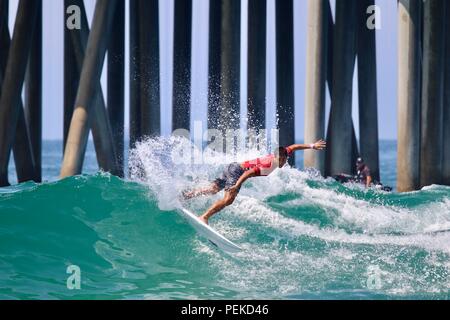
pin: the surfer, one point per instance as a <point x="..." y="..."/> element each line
<point x="363" y="174"/>
<point x="235" y="174"/>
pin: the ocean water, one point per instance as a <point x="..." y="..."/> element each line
<point x="304" y="237"/>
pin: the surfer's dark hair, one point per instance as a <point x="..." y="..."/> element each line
<point x="281" y="151"/>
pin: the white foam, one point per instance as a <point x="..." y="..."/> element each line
<point x="362" y="233"/>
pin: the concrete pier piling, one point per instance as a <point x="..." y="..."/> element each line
<point x="33" y="95"/>
<point x="145" y="111"/>
<point x="446" y="108"/>
<point x="230" y="64"/>
<point x="214" y="62"/>
<point x="224" y="66"/>
<point x="4" y="15"/>
<point x="71" y="74"/>
<point x="89" y="79"/>
<point x="149" y="67"/>
<point x="316" y="75"/>
<point x="256" y="78"/>
<point x="432" y="92"/>
<point x="333" y="47"/>
<point x="284" y="34"/>
<point x="116" y="84"/>
<point x="22" y="150"/>
<point x="135" y="75"/>
<point x="409" y="88"/>
<point x="340" y="124"/>
<point x="367" y="86"/>
<point x="330" y="45"/>
<point x="11" y="111"/>
<point x="102" y="134"/>
<point x="181" y="99"/>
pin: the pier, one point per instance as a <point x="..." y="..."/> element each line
<point x="337" y="45"/>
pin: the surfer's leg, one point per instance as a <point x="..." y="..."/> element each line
<point x="227" y="200"/>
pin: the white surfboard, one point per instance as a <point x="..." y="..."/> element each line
<point x="209" y="233"/>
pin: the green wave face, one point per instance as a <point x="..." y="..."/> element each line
<point x="303" y="236"/>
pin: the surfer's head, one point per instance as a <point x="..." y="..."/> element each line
<point x="359" y="163"/>
<point x="282" y="155"/>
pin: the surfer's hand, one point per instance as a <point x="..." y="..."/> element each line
<point x="320" y="145"/>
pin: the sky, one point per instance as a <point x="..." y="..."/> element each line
<point x="53" y="21"/>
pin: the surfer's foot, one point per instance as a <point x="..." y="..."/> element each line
<point x="203" y="219"/>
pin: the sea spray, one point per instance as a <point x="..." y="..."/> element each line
<point x="168" y="165"/>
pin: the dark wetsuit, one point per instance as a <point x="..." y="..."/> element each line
<point x="362" y="174"/>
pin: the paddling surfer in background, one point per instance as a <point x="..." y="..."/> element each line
<point x="235" y="174"/>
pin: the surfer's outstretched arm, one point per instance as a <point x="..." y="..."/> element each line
<point x="319" y="145"/>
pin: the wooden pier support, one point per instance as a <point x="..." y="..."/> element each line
<point x="339" y="134"/>
<point x="409" y="88"/>
<point x="33" y="95"/>
<point x="316" y="76"/>
<point x="89" y="81"/>
<point x="367" y="85"/>
<point x="284" y="26"/>
<point x="116" y="84"/>
<point x="181" y="100"/>
<point x="11" y="110"/>
<point x="256" y="78"/>
<point x="432" y="92"/>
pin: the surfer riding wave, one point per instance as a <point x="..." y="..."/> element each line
<point x="235" y="174"/>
